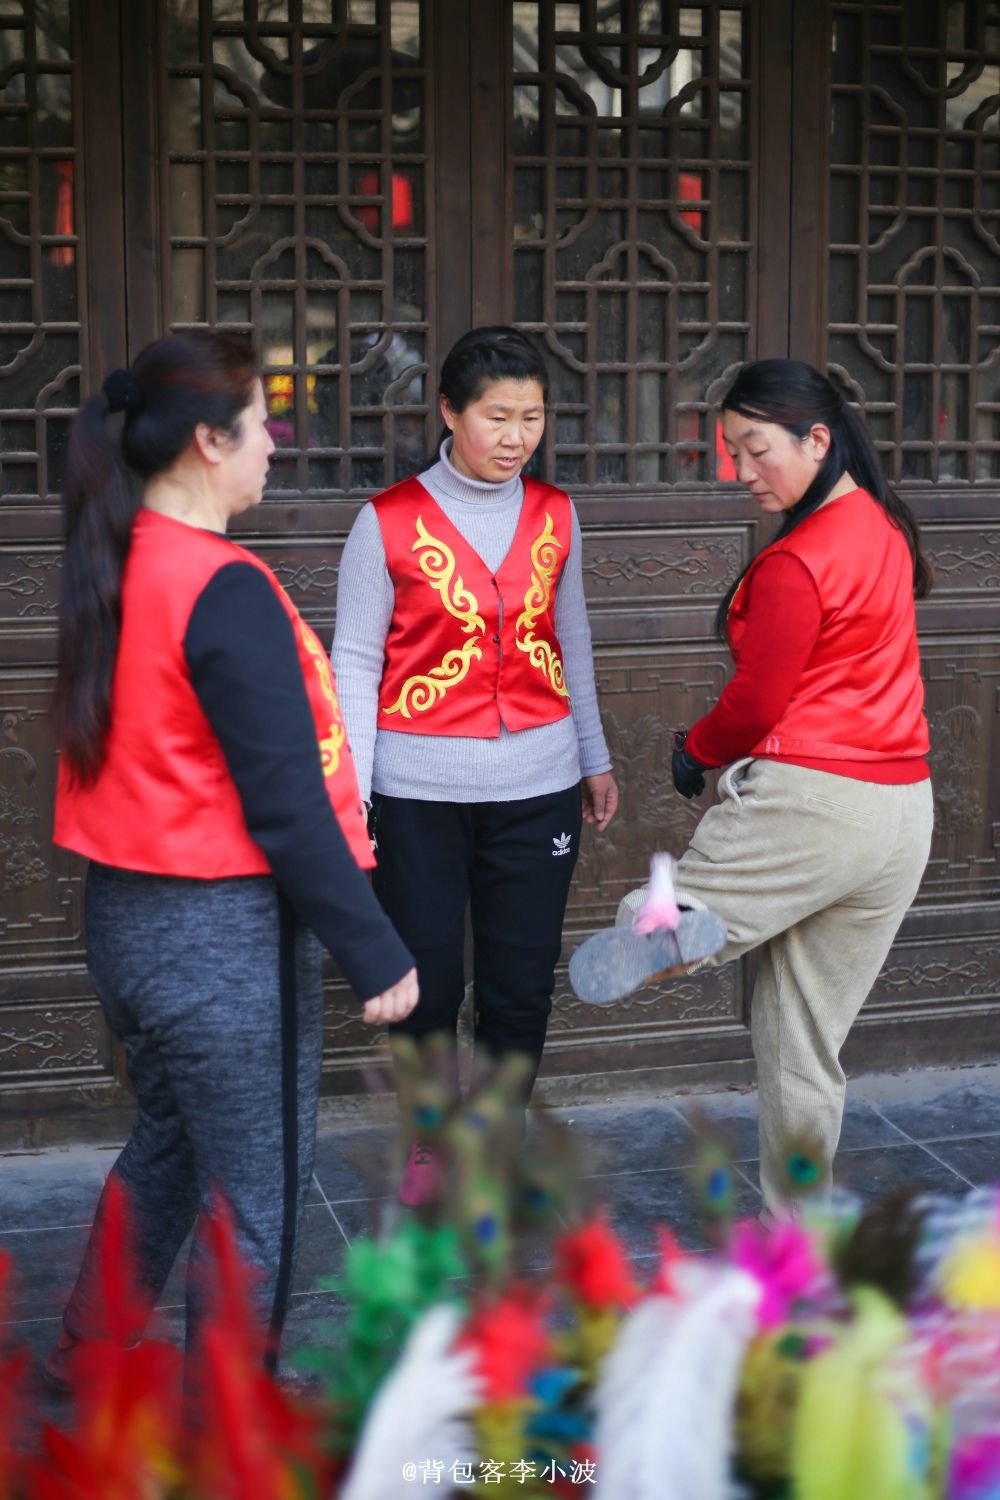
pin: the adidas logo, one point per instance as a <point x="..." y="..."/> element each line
<point x="562" y="842"/>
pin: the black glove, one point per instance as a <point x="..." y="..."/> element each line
<point x="688" y="773"/>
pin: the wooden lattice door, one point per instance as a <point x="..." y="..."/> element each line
<point x="655" y="191"/>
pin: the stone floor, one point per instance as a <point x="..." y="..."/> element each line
<point x="937" y="1128"/>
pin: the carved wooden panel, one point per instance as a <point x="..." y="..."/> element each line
<point x="965" y="554"/>
<point x="308" y="570"/>
<point x="52" y="1034"/>
<point x="54" y="1043"/>
<point x="710" y="1001"/>
<point x="931" y="970"/>
<point x="633" y="569"/>
<point x="41" y="916"/>
<point x="643" y="694"/>
<point x="29" y="592"/>
<point x="963" y="710"/>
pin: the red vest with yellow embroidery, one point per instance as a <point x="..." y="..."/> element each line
<point x="163" y="801"/>
<point x="860" y="696"/>
<point x="469" y="649"/>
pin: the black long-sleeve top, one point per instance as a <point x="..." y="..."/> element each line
<point x="245" y="670"/>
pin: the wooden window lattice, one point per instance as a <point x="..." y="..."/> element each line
<point x="914" y="260"/>
<point x="299" y="208"/>
<point x="42" y="339"/>
<point x="633" y="228"/>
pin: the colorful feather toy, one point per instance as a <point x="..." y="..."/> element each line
<point x="124" y="1441"/>
<point x="853" y="1433"/>
<point x="666" y="1393"/>
<point x="252" y="1439"/>
<point x="421" y="1414"/>
<point x="783" y="1261"/>
<point x="13" y="1397"/>
<point x="387" y="1286"/>
<point x="880" y="1249"/>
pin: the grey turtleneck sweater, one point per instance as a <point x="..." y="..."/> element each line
<point x="450" y="768"/>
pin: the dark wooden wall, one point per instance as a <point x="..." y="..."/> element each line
<point x="655" y="192"/>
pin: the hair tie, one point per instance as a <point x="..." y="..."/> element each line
<point x="123" y="392"/>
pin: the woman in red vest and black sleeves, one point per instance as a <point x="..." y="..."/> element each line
<point x="463" y="653"/>
<point x="822" y="829"/>
<point x="206" y="776"/>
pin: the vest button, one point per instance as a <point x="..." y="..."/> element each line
<point x="496" y="640"/>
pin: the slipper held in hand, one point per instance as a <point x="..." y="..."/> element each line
<point x="660" y="939"/>
<point x="614" y="963"/>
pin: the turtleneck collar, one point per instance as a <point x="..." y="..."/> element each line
<point x="477" y="492"/>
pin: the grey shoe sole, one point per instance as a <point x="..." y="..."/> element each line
<point x="619" y="961"/>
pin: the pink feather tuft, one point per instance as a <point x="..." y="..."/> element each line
<point x="659" y="912"/>
<point x="975" y="1466"/>
<point x="782" y="1260"/>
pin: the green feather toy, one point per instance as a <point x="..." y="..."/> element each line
<point x="858" y="1434"/>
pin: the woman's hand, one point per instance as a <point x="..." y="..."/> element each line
<point x="395" y="1003"/>
<point x="600" y="799"/>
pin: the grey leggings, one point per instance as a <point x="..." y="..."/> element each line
<point x="215" y="991"/>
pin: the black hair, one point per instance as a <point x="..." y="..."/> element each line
<point x="484" y="355"/>
<point x="795" y="396"/>
<point x="176" y="383"/>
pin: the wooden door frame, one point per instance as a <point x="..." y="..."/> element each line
<point x="791" y="43"/>
<point x="469" y="65"/>
<point x="102" y="126"/>
<point x="810" y="182"/>
<point x="141" y="26"/>
<point x="772" y="64"/>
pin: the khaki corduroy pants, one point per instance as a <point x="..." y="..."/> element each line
<point x="817" y="871"/>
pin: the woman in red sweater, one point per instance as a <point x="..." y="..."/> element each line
<point x="822" y="829"/>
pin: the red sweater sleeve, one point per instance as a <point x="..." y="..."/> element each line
<point x="782" y="624"/>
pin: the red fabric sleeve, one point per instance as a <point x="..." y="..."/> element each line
<point x="782" y="624"/>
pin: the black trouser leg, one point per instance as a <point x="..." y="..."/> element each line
<point x="422" y="881"/>
<point x="514" y="862"/>
<point x="526" y="852"/>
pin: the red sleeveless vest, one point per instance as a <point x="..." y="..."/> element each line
<point x="163" y="801"/>
<point x="861" y="696"/>
<point x="469" y="649"/>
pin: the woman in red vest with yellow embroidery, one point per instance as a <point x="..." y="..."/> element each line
<point x="816" y="846"/>
<point x="463" y="652"/>
<point x="206" y="776"/>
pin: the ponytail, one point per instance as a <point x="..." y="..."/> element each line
<point x="793" y="395"/>
<point x="176" y="383"/>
